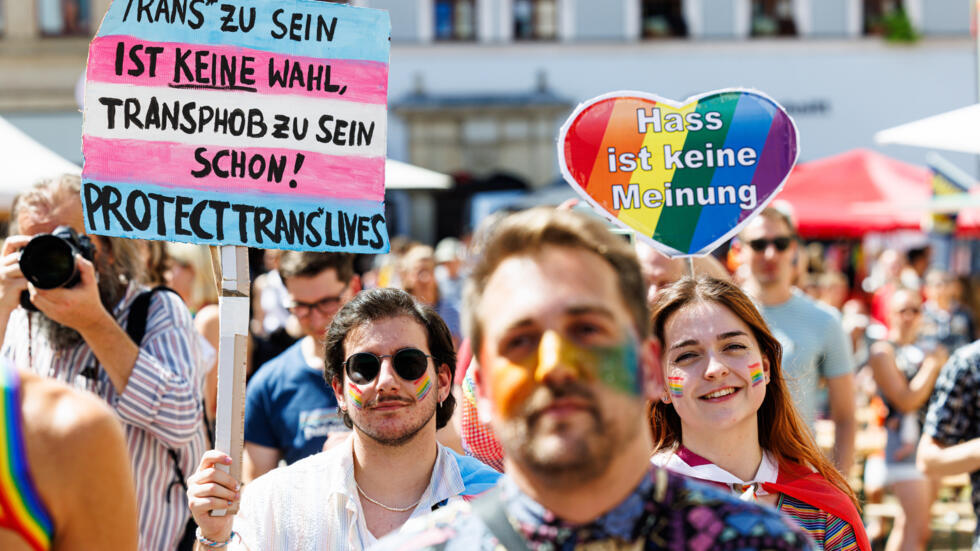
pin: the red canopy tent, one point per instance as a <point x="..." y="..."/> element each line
<point x="858" y="192"/>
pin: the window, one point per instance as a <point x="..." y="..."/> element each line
<point x="772" y="18"/>
<point x="535" y="19"/>
<point x="662" y="18"/>
<point x="63" y="17"/>
<point x="874" y="15"/>
<point x="455" y="20"/>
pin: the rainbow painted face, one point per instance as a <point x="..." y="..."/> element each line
<point x="513" y="380"/>
<point x="355" y="396"/>
<point x="756" y="374"/>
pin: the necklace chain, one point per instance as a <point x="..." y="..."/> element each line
<point x="382" y="505"/>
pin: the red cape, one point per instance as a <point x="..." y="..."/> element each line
<point x="812" y="488"/>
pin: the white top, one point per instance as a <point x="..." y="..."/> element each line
<point x="314" y="504"/>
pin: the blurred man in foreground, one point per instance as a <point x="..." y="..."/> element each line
<point x="558" y="321"/>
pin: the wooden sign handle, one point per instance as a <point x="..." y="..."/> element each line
<point x="233" y="307"/>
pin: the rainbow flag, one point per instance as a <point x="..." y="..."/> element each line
<point x="676" y="386"/>
<point x="21" y="508"/>
<point x="755" y="372"/>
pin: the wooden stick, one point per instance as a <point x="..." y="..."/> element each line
<point x="233" y="307"/>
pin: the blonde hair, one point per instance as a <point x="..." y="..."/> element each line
<point x="204" y="291"/>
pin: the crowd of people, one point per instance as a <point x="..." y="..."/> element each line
<point x="545" y="385"/>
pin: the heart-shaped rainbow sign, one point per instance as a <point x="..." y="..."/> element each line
<point x="685" y="177"/>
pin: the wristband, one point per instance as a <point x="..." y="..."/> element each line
<point x="210" y="543"/>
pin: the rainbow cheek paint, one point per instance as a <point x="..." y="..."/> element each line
<point x="676" y="386"/>
<point x="354" y="394"/>
<point x="510" y="384"/>
<point x="755" y="373"/>
<point x="422" y="387"/>
<point x="615" y="366"/>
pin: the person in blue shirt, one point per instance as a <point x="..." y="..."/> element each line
<point x="289" y="407"/>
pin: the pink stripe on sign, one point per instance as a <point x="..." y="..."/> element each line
<point x="345" y="79"/>
<point x="319" y="175"/>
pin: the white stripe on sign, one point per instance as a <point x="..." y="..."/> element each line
<point x="234" y="119"/>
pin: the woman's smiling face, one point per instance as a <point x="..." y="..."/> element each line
<point x="715" y="373"/>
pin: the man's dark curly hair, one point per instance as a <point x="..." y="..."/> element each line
<point x="377" y="304"/>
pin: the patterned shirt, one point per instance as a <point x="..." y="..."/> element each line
<point x="160" y="407"/>
<point x="665" y="511"/>
<point x="954" y="409"/>
<point x="314" y="503"/>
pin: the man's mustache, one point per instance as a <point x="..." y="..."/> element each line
<point x="542" y="398"/>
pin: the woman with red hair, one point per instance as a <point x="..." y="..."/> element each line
<point x="727" y="417"/>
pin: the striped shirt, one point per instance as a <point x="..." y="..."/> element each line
<point x="826" y="530"/>
<point x="160" y="407"/>
<point x="314" y="503"/>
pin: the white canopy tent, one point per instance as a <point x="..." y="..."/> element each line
<point x="399" y="175"/>
<point x="957" y="130"/>
<point x="24" y="162"/>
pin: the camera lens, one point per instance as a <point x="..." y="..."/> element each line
<point x="47" y="261"/>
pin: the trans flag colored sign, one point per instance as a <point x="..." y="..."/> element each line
<point x="259" y="123"/>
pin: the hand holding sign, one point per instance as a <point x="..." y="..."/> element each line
<point x="686" y="177"/>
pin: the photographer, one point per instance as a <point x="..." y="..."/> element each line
<point x="78" y="335"/>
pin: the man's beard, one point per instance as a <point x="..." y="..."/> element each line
<point x="395" y="440"/>
<point x="112" y="288"/>
<point x="567" y="453"/>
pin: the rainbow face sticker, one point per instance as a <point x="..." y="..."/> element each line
<point x="755" y="373"/>
<point x="676" y="386"/>
<point x="422" y="387"/>
<point x="615" y="366"/>
<point x="354" y="394"/>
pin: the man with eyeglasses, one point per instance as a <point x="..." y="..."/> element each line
<point x="814" y="343"/>
<point x="390" y="362"/>
<point x="290" y="410"/>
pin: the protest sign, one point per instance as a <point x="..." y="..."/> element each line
<point x="684" y="176"/>
<point x="255" y="123"/>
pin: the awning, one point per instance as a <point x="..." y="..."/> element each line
<point x="24" y="162"/>
<point x="957" y="130"/>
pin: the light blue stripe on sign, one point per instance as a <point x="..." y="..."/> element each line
<point x="213" y="218"/>
<point x="359" y="33"/>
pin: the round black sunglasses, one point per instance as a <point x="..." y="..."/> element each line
<point x="409" y="363"/>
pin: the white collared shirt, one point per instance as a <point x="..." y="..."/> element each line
<point x="314" y="504"/>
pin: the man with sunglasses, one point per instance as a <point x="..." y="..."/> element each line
<point x="390" y="361"/>
<point x="290" y="410"/>
<point x="814" y="344"/>
<point x="559" y="325"/>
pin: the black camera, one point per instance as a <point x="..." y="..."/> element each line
<point x="48" y="260"/>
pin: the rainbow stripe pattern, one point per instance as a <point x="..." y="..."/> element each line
<point x="684" y="203"/>
<point x="288" y="110"/>
<point x="21" y="509"/>
<point x="423" y="386"/>
<point x="676" y="386"/>
<point x="755" y="373"/>
<point x="355" y="396"/>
